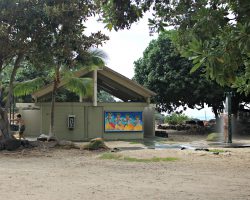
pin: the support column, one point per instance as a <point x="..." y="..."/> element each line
<point x="80" y="98"/>
<point x="95" y="88"/>
<point x="148" y="100"/>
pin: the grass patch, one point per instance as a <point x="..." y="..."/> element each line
<point x="216" y="151"/>
<point x="134" y="142"/>
<point x="111" y="156"/>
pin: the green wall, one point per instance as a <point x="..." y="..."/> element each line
<point x="62" y="110"/>
<point x="123" y="107"/>
<point x="89" y="120"/>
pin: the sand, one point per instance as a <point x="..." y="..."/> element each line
<point x="59" y="174"/>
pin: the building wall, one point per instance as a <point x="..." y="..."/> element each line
<point x="123" y="107"/>
<point x="31" y="115"/>
<point x="62" y="110"/>
<point x="89" y="120"/>
<point x="149" y="121"/>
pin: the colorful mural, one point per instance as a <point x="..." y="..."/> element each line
<point x="123" y="121"/>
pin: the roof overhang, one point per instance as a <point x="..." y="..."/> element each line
<point x="109" y="81"/>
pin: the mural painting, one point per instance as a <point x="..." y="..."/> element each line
<point x="123" y="121"/>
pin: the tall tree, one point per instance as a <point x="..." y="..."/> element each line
<point x="47" y="33"/>
<point x="214" y="34"/>
<point x="164" y="71"/>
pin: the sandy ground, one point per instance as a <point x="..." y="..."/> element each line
<point x="59" y="174"/>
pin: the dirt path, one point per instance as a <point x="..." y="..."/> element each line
<point x="73" y="174"/>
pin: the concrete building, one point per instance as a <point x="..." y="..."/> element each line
<point x="131" y="119"/>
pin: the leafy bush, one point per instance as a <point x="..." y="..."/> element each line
<point x="175" y="118"/>
<point x="213" y="137"/>
<point x="95" y="144"/>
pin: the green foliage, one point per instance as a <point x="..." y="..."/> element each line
<point x="103" y="96"/>
<point x="112" y="156"/>
<point x="135" y="142"/>
<point x="175" y="119"/>
<point x="214" y="35"/>
<point x="213" y="137"/>
<point x="165" y="72"/>
<point x="121" y="14"/>
<point x="28" y="87"/>
<point x="81" y="86"/>
<point x="216" y="151"/>
<point x="95" y="144"/>
<point x="46" y="34"/>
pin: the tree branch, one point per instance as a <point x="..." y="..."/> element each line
<point x="12" y="78"/>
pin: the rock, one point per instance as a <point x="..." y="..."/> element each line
<point x="52" y="139"/>
<point x="12" y="144"/>
<point x="67" y="144"/>
<point x="50" y="144"/>
<point x="42" y="137"/>
<point x="201" y="149"/>
<point x="95" y="144"/>
<point x="161" y="133"/>
<point x="26" y="144"/>
<point x="114" y="150"/>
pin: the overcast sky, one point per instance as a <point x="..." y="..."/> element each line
<point x="126" y="46"/>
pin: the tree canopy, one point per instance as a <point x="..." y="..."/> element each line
<point x="164" y="71"/>
<point x="47" y="34"/>
<point x="214" y="34"/>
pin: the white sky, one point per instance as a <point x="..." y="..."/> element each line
<point x="126" y="46"/>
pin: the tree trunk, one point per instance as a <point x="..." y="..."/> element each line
<point x="12" y="79"/>
<point x="1" y="86"/>
<point x="215" y="111"/>
<point x="4" y="121"/>
<point x="4" y="124"/>
<point x="52" y="112"/>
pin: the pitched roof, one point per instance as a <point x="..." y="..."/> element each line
<point x="109" y="81"/>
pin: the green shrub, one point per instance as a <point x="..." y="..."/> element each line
<point x="95" y="144"/>
<point x="216" y="151"/>
<point x="213" y="137"/>
<point x="175" y="119"/>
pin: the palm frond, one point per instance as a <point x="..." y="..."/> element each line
<point x="27" y="87"/>
<point x="98" y="53"/>
<point x="81" y="86"/>
<point x="97" y="57"/>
